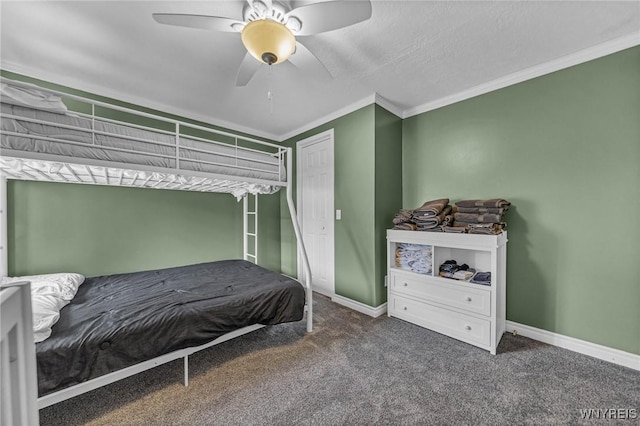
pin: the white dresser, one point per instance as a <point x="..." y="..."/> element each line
<point x="473" y="313"/>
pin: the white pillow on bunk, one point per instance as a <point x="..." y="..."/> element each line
<point x="49" y="294"/>
<point x="31" y="97"/>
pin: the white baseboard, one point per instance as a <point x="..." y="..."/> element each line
<point x="360" y="307"/>
<point x="605" y="353"/>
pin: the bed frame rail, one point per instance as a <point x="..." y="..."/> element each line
<point x="79" y="389"/>
<point x="259" y="156"/>
<point x="18" y="383"/>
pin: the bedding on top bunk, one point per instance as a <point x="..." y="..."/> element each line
<point x="254" y="164"/>
<point x="116" y="321"/>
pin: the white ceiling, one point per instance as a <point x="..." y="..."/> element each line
<point x="411" y="53"/>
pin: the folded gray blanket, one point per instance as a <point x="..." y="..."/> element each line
<point x="494" y="202"/>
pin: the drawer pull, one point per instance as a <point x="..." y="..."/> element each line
<point x="468" y="298"/>
<point x="405" y="308"/>
<point x="467" y="327"/>
<point x="405" y="284"/>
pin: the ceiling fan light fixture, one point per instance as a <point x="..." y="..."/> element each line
<point x="268" y="41"/>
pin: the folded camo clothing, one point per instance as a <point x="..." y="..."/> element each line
<point x="455" y="229"/>
<point x="494" y="202"/>
<point x="430" y="222"/>
<point x="405" y="226"/>
<point x="480" y="210"/>
<point x="486" y="228"/>
<point x="430" y="208"/>
<point x="477" y="218"/>
<point x="403" y="215"/>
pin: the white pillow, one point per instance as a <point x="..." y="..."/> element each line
<point x="46" y="312"/>
<point x="66" y="283"/>
<point x="49" y="294"/>
<point x="31" y="97"/>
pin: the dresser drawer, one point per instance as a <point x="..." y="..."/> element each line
<point x="469" y="299"/>
<point x="464" y="327"/>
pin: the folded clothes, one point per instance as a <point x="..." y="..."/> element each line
<point x="464" y="275"/>
<point x="483" y="278"/>
<point x="451" y="269"/>
<point x="477" y="218"/>
<point x="432" y="221"/>
<point x="405" y="226"/>
<point x="455" y="229"/>
<point x="494" y="202"/>
<point x="403" y="215"/>
<point x="457" y="224"/>
<point x="430" y="208"/>
<point x="486" y="228"/>
<point x="480" y="210"/>
<point x="414" y="257"/>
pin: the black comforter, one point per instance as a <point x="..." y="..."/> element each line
<point x="116" y="321"/>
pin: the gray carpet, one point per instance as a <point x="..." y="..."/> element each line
<point x="353" y="369"/>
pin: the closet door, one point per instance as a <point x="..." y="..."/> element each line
<point x="315" y="208"/>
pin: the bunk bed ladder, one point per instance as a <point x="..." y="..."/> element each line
<point x="250" y="228"/>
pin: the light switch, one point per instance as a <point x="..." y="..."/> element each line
<point x="338" y="214"/>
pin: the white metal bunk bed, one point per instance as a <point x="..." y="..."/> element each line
<point x="89" y="148"/>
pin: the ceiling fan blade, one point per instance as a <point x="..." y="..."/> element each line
<point x="213" y="23"/>
<point x="309" y="64"/>
<point x="331" y="15"/>
<point x="248" y="68"/>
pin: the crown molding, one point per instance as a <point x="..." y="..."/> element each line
<point x="124" y="97"/>
<point x="567" y="61"/>
<point x="368" y="100"/>
<point x="389" y="106"/>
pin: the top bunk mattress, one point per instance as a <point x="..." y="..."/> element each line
<point x="29" y="130"/>
<point x="116" y="321"/>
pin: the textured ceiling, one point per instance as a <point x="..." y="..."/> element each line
<point x="411" y="53"/>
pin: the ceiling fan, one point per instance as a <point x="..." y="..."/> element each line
<point x="270" y="28"/>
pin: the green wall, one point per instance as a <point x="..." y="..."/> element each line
<point x="565" y="150"/>
<point x="388" y="189"/>
<point x="354" y="195"/>
<point x="103" y="230"/>
<point x="368" y="190"/>
<point x="98" y="230"/>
